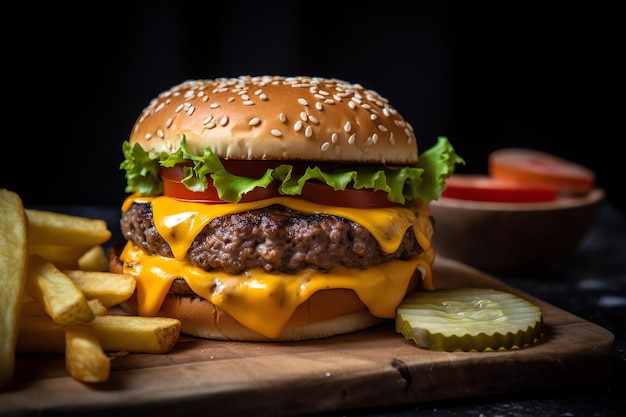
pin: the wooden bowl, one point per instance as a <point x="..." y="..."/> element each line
<point x="513" y="237"/>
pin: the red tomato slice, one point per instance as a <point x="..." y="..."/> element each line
<point x="536" y="167"/>
<point x="316" y="192"/>
<point x="484" y="188"/>
<point x="173" y="187"/>
<point x="312" y="191"/>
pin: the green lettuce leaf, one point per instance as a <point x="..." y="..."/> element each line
<point x="424" y="181"/>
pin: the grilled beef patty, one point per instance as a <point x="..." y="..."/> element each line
<point x="274" y="238"/>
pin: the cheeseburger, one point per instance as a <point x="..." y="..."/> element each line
<point x="276" y="208"/>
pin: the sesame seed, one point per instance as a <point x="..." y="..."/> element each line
<point x="325" y="146"/>
<point x="382" y="128"/>
<point x="313" y="119"/>
<point x="254" y="121"/>
<point x="169" y="122"/>
<point x="179" y="108"/>
<point x="224" y="121"/>
<point x="303" y="116"/>
<point x="210" y="125"/>
<point x="148" y="136"/>
<point x="347" y="127"/>
<point x="248" y="103"/>
<point x="263" y="97"/>
<point x="298" y="125"/>
<point x="190" y="110"/>
<point x="231" y="99"/>
<point x="245" y="97"/>
<point x="373" y="116"/>
<point x="392" y="140"/>
<point x="351" y="139"/>
<point x="319" y="106"/>
<point x="303" y="102"/>
<point x="207" y="120"/>
<point x="329" y="101"/>
<point x="352" y="105"/>
<point x="375" y="138"/>
<point x="160" y="134"/>
<point x="276" y="132"/>
<point x="308" y="132"/>
<point x="282" y="117"/>
<point x="333" y="138"/>
<point x="214" y="105"/>
<point x="257" y="92"/>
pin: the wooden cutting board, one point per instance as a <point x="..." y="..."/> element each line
<point x="372" y="368"/>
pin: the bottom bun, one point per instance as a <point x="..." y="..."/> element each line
<point x="326" y="313"/>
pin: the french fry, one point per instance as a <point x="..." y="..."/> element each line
<point x="13" y="257"/>
<point x="137" y="334"/>
<point x="60" y="296"/>
<point x="94" y="260"/>
<point x="35" y="308"/>
<point x="84" y="358"/>
<point x="49" y="227"/>
<point x="108" y="287"/>
<point x="62" y="256"/>
<point x="97" y="307"/>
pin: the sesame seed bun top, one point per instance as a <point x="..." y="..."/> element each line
<point x="277" y="118"/>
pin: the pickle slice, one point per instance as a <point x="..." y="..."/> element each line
<point x="469" y="319"/>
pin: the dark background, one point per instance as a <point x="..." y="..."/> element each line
<point x="485" y="75"/>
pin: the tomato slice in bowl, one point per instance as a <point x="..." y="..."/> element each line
<point x="535" y="167"/>
<point x="476" y="187"/>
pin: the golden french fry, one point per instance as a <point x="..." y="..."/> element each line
<point x="62" y="256"/>
<point x="13" y="257"/>
<point x="137" y="333"/>
<point x="32" y="307"/>
<point x="108" y="287"/>
<point x="97" y="307"/>
<point x="60" y="296"/>
<point x="64" y="229"/>
<point x="84" y="358"/>
<point x="93" y="260"/>
<point x="116" y="333"/>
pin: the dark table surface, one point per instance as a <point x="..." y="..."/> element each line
<point x="590" y="284"/>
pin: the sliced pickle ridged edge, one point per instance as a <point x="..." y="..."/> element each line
<point x="469" y="319"/>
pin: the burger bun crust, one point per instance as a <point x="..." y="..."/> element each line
<point x="277" y="118"/>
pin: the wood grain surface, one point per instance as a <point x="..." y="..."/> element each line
<point x="372" y="368"/>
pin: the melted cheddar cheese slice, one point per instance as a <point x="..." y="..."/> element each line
<point x="263" y="301"/>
